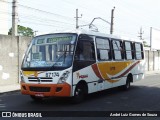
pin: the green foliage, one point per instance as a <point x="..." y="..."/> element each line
<point x="22" y="31"/>
<point x="145" y="44"/>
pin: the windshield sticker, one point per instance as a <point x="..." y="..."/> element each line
<point x="37" y="56"/>
<point x="37" y="63"/>
<point x="45" y="64"/>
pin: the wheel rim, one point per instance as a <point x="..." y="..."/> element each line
<point x="128" y="84"/>
<point x="78" y="92"/>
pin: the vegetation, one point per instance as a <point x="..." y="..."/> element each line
<point x="23" y="31"/>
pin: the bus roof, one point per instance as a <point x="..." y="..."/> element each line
<point x="89" y="32"/>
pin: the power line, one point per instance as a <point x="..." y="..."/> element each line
<point x="7" y="13"/>
<point x="5" y="1"/>
<point x="43" y="20"/>
<point x="42" y="11"/>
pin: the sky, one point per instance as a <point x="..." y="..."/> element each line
<point x="58" y="15"/>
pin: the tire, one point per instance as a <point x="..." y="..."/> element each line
<point x="127" y="85"/>
<point x="79" y="93"/>
<point x="37" y="99"/>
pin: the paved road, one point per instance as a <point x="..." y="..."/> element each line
<point x="143" y="96"/>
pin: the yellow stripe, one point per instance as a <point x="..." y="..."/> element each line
<point x="28" y="73"/>
<point x="112" y="68"/>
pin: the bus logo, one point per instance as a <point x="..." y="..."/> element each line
<point x="36" y="74"/>
<point x="81" y="76"/>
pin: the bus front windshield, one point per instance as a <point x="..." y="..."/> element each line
<point x="50" y="51"/>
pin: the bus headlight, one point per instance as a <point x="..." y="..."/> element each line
<point x="64" y="77"/>
<point x="22" y="78"/>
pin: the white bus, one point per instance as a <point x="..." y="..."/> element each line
<point x="74" y="64"/>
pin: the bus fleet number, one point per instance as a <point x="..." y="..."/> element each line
<point x="52" y="74"/>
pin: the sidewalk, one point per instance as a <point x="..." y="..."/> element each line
<point x="9" y="88"/>
<point x="147" y="73"/>
<point x="16" y="87"/>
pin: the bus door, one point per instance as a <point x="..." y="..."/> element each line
<point x="83" y="60"/>
<point x="85" y="52"/>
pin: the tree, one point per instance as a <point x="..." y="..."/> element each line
<point x="22" y="31"/>
<point x="145" y="44"/>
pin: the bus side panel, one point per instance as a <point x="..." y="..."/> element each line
<point x="101" y="76"/>
<point x="92" y="76"/>
<point x="139" y="71"/>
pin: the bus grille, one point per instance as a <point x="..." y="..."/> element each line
<point x="39" y="89"/>
<point x="40" y="79"/>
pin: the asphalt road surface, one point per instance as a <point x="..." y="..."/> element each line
<point x="143" y="95"/>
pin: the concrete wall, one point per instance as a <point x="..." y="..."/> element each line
<point x="152" y="59"/>
<point x="11" y="52"/>
<point x="13" y="49"/>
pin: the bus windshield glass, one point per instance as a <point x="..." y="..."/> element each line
<point x="49" y="51"/>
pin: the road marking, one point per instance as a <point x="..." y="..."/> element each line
<point x="2" y="105"/>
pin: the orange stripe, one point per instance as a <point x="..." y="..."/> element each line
<point x="96" y="71"/>
<point x="65" y="91"/>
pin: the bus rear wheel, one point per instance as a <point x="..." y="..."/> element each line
<point x="128" y="84"/>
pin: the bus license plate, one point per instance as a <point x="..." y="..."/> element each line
<point x="39" y="95"/>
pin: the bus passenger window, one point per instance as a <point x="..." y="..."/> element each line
<point x="128" y="50"/>
<point x="139" y="51"/>
<point x="117" y="49"/>
<point x="103" y="49"/>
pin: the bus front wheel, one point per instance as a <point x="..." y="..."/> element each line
<point x="80" y="93"/>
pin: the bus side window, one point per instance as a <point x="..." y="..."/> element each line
<point x="118" y="53"/>
<point x="128" y="49"/>
<point x="138" y="51"/>
<point x="103" y="49"/>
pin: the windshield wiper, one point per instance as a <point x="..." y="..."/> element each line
<point x="64" y="54"/>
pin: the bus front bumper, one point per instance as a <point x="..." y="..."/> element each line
<point x="46" y="90"/>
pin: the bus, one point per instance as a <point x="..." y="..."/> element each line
<point x="74" y="64"/>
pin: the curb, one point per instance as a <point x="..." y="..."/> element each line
<point x="9" y="88"/>
<point x="8" y="92"/>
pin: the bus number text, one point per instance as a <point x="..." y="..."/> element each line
<point x="53" y="74"/>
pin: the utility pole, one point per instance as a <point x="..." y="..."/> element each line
<point x="77" y="17"/>
<point x="14" y="18"/>
<point x="112" y="17"/>
<point x="141" y="33"/>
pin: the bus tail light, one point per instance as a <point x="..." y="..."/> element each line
<point x="64" y="77"/>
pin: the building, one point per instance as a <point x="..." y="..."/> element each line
<point x="4" y="17"/>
